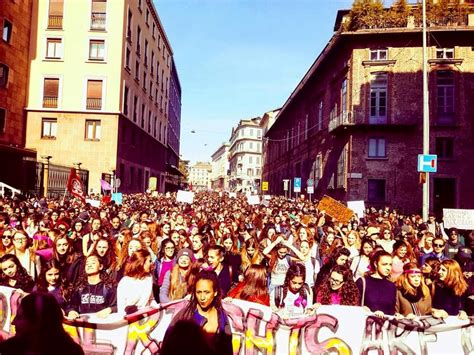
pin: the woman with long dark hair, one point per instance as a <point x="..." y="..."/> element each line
<point x="293" y="297"/>
<point x="205" y="309"/>
<point x="13" y="274"/>
<point x="360" y="264"/>
<point x="51" y="280"/>
<point x="72" y="263"/>
<point x="338" y="288"/>
<point x="377" y="292"/>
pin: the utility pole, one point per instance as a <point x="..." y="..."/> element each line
<point x="426" y="118"/>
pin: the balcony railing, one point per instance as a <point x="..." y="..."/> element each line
<point x="94" y="104"/>
<point x="343" y="119"/>
<point x="98" y="21"/>
<point x="50" y="101"/>
<point x="55" y="21"/>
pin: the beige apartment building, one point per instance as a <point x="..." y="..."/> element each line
<point x="98" y="89"/>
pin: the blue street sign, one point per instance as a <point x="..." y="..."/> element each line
<point x="297" y="184"/>
<point x="427" y="163"/>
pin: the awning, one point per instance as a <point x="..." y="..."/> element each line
<point x="173" y="170"/>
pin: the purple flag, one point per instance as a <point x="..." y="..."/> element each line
<point x="105" y="185"/>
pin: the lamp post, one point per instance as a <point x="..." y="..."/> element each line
<point x="46" y="173"/>
<point x="426" y="118"/>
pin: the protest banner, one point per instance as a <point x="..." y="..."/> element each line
<point x="93" y="203"/>
<point x="335" y="209"/>
<point x="358" y="207"/>
<point x="185" y="196"/>
<point x="117" y="197"/>
<point x="257" y="330"/>
<point x="461" y="219"/>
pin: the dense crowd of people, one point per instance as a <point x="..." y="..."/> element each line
<point x="285" y="254"/>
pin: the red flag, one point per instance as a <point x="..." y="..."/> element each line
<point x="75" y="187"/>
<point x="190" y="186"/>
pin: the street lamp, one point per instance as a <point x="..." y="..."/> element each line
<point x="46" y="173"/>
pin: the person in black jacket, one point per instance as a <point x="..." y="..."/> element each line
<point x="92" y="294"/>
<point x="39" y="329"/>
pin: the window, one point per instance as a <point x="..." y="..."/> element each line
<point x="376" y="190"/>
<point x="320" y="115"/>
<point x="94" y="94"/>
<point x="139" y="35"/>
<point x="445" y="96"/>
<point x="378" y="98"/>
<point x="135" y="109"/>
<point x="54" y="48"/>
<point x="3" y="75"/>
<point x="7" y="30"/>
<point x="250" y="172"/>
<point x="97" y="49"/>
<point x="149" y="121"/>
<point x="444" y="53"/>
<point x="145" y="54"/>
<point x="445" y="147"/>
<point x="257" y="160"/>
<point x="50" y="92"/>
<point x="49" y="128"/>
<point x="147" y="17"/>
<point x="344" y="99"/>
<point x="250" y="145"/>
<point x="153" y="31"/>
<point x="3" y="118"/>
<point x="137" y="70"/>
<point x="140" y="5"/>
<point x="98" y="15"/>
<point x="250" y="159"/>
<point x="143" y="116"/>
<point x="377" y="148"/>
<point x="378" y="54"/>
<point x="93" y="130"/>
<point x="152" y="63"/>
<point x="125" y="101"/>
<point x="127" y="58"/>
<point x="55" y="14"/>
<point x="129" y="26"/>
<point x="144" y="80"/>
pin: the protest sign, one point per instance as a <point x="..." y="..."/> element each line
<point x="256" y="329"/>
<point x="335" y="209"/>
<point x="185" y="196"/>
<point x="358" y="207"/>
<point x="253" y="199"/>
<point x="117" y="197"/>
<point x="93" y="203"/>
<point x="461" y="219"/>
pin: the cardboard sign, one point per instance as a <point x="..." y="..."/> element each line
<point x="185" y="196"/>
<point x="335" y="209"/>
<point x="358" y="207"/>
<point x="118" y="198"/>
<point x="461" y="219"/>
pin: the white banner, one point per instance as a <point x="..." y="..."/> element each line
<point x="256" y="329"/>
<point x="461" y="219"/>
<point x="185" y="196"/>
<point x="253" y="199"/>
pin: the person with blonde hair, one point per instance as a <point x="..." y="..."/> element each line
<point x="175" y="284"/>
<point x="450" y="292"/>
<point x="413" y="296"/>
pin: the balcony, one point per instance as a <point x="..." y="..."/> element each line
<point x="55" y="22"/>
<point x="98" y="21"/>
<point x="50" y="101"/>
<point x="94" y="104"/>
<point x="343" y="120"/>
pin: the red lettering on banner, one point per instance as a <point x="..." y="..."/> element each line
<point x="332" y="344"/>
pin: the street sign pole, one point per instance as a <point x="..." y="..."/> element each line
<point x="426" y="118"/>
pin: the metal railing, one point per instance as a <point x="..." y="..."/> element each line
<point x="50" y="101"/>
<point x="98" y="20"/>
<point x="4" y="187"/>
<point x="344" y="118"/>
<point x="94" y="104"/>
<point x="55" y="21"/>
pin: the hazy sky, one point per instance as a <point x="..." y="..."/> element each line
<point x="237" y="59"/>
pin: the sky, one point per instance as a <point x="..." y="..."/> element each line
<point x="237" y="59"/>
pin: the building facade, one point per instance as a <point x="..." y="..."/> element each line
<point x="14" y="46"/>
<point x="268" y="119"/>
<point x="200" y="176"/>
<point x="245" y="156"/>
<point x="99" y="89"/>
<point x="354" y="122"/>
<point x="173" y="174"/>
<point x="220" y="168"/>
